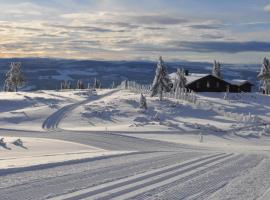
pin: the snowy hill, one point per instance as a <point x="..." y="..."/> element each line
<point x="43" y="73"/>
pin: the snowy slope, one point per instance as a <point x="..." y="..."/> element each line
<point x="173" y="150"/>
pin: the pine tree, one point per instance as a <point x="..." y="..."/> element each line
<point x="143" y="103"/>
<point x="14" y="78"/>
<point x="161" y="82"/>
<point x="216" y="69"/>
<point x="264" y="76"/>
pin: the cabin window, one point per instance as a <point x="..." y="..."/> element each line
<point x="208" y="84"/>
<point x="218" y="85"/>
<point x="198" y="85"/>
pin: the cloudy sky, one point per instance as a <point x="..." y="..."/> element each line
<point x="233" y="31"/>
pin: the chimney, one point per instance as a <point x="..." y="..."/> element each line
<point x="186" y="72"/>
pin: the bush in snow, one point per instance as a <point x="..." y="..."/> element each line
<point x="14" y="78"/>
<point x="264" y="76"/>
<point x="143" y="103"/>
<point x="226" y="95"/>
<point x="180" y="79"/>
<point x="162" y="82"/>
<point x="156" y="117"/>
<point x="18" y="142"/>
<point x="4" y="144"/>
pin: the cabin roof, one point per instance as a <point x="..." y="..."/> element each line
<point x="238" y="82"/>
<point x="192" y="77"/>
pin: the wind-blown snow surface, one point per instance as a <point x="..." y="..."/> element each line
<point x="173" y="150"/>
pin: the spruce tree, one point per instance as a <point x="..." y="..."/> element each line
<point x="264" y="76"/>
<point x="14" y="78"/>
<point x="216" y="69"/>
<point x="161" y="82"/>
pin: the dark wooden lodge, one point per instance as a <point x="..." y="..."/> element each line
<point x="210" y="83"/>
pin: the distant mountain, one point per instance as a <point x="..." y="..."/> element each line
<point x="46" y="73"/>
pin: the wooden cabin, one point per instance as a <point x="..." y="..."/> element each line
<point x="210" y="83"/>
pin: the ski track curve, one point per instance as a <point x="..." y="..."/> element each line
<point x="52" y="122"/>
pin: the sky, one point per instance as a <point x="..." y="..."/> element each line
<point x="231" y="31"/>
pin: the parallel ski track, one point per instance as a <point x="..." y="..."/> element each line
<point x="124" y="186"/>
<point x="208" y="183"/>
<point x="52" y="122"/>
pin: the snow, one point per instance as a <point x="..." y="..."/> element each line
<point x="38" y="151"/>
<point x="27" y="110"/>
<point x="237" y="81"/>
<point x="191" y="77"/>
<point x="209" y="150"/>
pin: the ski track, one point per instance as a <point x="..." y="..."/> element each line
<point x="118" y="188"/>
<point x="69" y="178"/>
<point x="206" y="182"/>
<point x="53" y="121"/>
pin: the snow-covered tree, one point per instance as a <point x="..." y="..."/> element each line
<point x="80" y="84"/>
<point x="65" y="85"/>
<point x="97" y="84"/>
<point x="14" y="77"/>
<point x="113" y="85"/>
<point x="162" y="82"/>
<point x="180" y="79"/>
<point x="264" y="76"/>
<point x="216" y="71"/>
<point x="143" y="103"/>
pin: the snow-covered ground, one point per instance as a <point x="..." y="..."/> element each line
<point x="103" y="146"/>
<point x="27" y="110"/>
<point x="120" y="112"/>
<point x="39" y="151"/>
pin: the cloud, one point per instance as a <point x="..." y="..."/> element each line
<point x="267" y="8"/>
<point x="205" y="26"/>
<point x="121" y="24"/>
<point x="157" y="19"/>
<point x="82" y="28"/>
<point x="17" y="27"/>
<point x="211" y="36"/>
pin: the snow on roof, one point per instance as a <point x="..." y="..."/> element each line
<point x="193" y="77"/>
<point x="237" y="81"/>
<point x="190" y="78"/>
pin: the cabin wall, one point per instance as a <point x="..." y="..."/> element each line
<point x="213" y="84"/>
<point x="208" y="84"/>
<point x="245" y="87"/>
